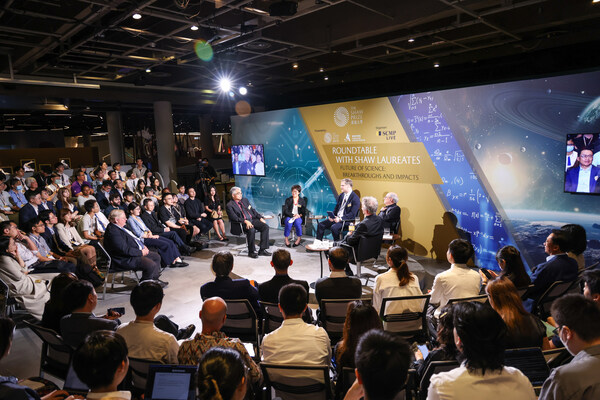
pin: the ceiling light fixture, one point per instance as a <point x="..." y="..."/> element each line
<point x="194" y="27"/>
<point x="326" y="78"/>
<point x="148" y="70"/>
<point x="136" y="15"/>
<point x="295" y="65"/>
<point x="436" y="65"/>
<point x="321" y="69"/>
<point x="225" y="84"/>
<point x="411" y="40"/>
<point x="243" y="91"/>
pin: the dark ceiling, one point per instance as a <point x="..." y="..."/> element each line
<point x="51" y="49"/>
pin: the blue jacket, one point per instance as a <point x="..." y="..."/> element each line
<point x="560" y="268"/>
<point x="572" y="180"/>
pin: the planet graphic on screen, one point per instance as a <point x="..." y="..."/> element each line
<point x="590" y="117"/>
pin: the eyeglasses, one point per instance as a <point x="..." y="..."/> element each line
<point x="587" y="156"/>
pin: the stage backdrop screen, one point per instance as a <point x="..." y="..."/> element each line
<point x="248" y="159"/>
<point x="582" y="160"/>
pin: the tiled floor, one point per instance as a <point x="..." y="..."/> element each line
<point x="182" y="297"/>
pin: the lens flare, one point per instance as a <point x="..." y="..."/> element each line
<point x="243" y="108"/>
<point x="203" y="50"/>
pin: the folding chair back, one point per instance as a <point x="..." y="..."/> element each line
<point x="297" y="381"/>
<point x="56" y="353"/>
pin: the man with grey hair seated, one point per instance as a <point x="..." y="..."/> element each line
<point x="390" y="212"/>
<point x="371" y="226"/>
<point x="240" y="211"/>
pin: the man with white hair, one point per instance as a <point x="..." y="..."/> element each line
<point x="371" y="226"/>
<point x="390" y="212"/>
<point x="242" y="212"/>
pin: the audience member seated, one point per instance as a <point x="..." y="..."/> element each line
<point x="6" y="207"/>
<point x="139" y="169"/>
<point x="103" y="194"/>
<point x="19" y="174"/>
<point x="55" y="308"/>
<point x="382" y="361"/>
<point x="115" y="204"/>
<point x="31" y="184"/>
<point x="397" y="282"/>
<point x="118" y="189"/>
<point x="338" y="285"/>
<point x="269" y="291"/>
<point x="145" y="336"/>
<point x="196" y="213"/>
<point x="360" y="318"/>
<point x="99" y="177"/>
<point x="93" y="224"/>
<point x="42" y="177"/>
<point x="479" y="334"/>
<point x="127" y="251"/>
<point x="294" y="215"/>
<point x="458" y="281"/>
<point x="578" y="319"/>
<point x="29" y="292"/>
<point x="172" y="217"/>
<point x="371" y="226"/>
<point x="346" y="210"/>
<point x="79" y="180"/>
<point x="577" y="239"/>
<point x="120" y="174"/>
<point x="74" y="243"/>
<point x="139" y="191"/>
<point x="149" y="194"/>
<point x="390" y="212"/>
<point x="182" y="196"/>
<point x="155" y="185"/>
<point x="511" y="267"/>
<point x="50" y="234"/>
<point x="152" y="222"/>
<point x="165" y="247"/>
<point x="10" y="389"/>
<point x="59" y="169"/>
<point x="130" y="180"/>
<point x="225" y="287"/>
<point x="52" y="187"/>
<point x="445" y="349"/>
<point x="86" y="194"/>
<point x="101" y="363"/>
<point x="30" y="210"/>
<point x="213" y="316"/>
<point x="16" y="194"/>
<point x="215" y="214"/>
<point x="128" y="198"/>
<point x="81" y="300"/>
<point x="524" y="329"/>
<point x="64" y="200"/>
<point x="558" y="267"/>
<point x="47" y="261"/>
<point x="222" y="375"/>
<point x="295" y="342"/>
<point x="241" y="212"/>
<point x="47" y="204"/>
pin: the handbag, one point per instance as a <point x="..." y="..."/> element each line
<point x="214" y="214"/>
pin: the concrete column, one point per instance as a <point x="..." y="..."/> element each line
<point x="206" y="136"/>
<point x="115" y="136"/>
<point x="87" y="139"/>
<point x="165" y="141"/>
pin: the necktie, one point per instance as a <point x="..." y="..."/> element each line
<point x="344" y="202"/>
<point x="246" y="216"/>
<point x="568" y="161"/>
<point x="98" y="222"/>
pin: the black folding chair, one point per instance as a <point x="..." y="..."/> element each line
<point x="56" y="353"/>
<point x="242" y="323"/>
<point x="409" y="324"/>
<point x="295" y="381"/>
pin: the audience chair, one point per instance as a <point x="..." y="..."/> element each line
<point x="409" y="324"/>
<point x="368" y="249"/>
<point x="541" y="305"/>
<point x="523" y="292"/>
<point x="138" y="374"/>
<point x="435" y="367"/>
<point x="243" y="249"/>
<point x="557" y="357"/>
<point x="307" y="381"/>
<point x="56" y="353"/>
<point x="272" y="317"/>
<point x="73" y="385"/>
<point x="242" y="323"/>
<point x="480" y="299"/>
<point x="345" y="380"/>
<point x="531" y="362"/>
<point x="9" y="306"/>
<point x="332" y="316"/>
<point x="112" y="272"/>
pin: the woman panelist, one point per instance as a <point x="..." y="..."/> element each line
<point x="294" y="212"/>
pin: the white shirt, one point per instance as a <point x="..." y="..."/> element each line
<point x="82" y="199"/>
<point x="459" y="281"/>
<point x="460" y="384"/>
<point x="344" y="203"/>
<point x="583" y="183"/>
<point x="131" y="184"/>
<point x="572" y="158"/>
<point x="146" y="341"/>
<point x="5" y="201"/>
<point x="388" y="285"/>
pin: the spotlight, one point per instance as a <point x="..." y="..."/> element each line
<point x="194" y="27"/>
<point x="326" y="78"/>
<point x="321" y="69"/>
<point x="225" y="84"/>
<point x="436" y="65"/>
<point x="411" y="40"/>
<point x="137" y="15"/>
<point x="231" y="94"/>
<point x="148" y="70"/>
<point x="243" y="91"/>
<point x="295" y="65"/>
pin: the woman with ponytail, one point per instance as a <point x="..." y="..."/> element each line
<point x="398" y="281"/>
<point x="221" y="375"/>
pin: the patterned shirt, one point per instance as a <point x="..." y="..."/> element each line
<point x="191" y="351"/>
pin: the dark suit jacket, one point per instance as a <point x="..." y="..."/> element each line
<point x="289" y="206"/>
<point x="235" y="214"/>
<point x="26" y="214"/>
<point x="390" y="216"/>
<point x="164" y="215"/>
<point x="122" y="248"/>
<point x="560" y="268"/>
<point x="75" y="327"/>
<point x="351" y="209"/>
<point x="269" y="291"/>
<point x="338" y="288"/>
<point x="246" y="168"/>
<point x="152" y="222"/>
<point x="231" y="289"/>
<point x="572" y="179"/>
<point x="371" y="226"/>
<point x="102" y="200"/>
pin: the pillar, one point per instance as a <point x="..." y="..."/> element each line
<point x="115" y="136"/>
<point x="165" y="141"/>
<point x="206" y="136"/>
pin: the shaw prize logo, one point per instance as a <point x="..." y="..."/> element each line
<point x="341" y="116"/>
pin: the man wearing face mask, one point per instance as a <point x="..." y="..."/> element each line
<point x="578" y="320"/>
<point x="571" y="154"/>
<point x="16" y="194"/>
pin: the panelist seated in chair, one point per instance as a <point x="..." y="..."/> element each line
<point x="239" y="211"/>
<point x="346" y="210"/>
<point x="294" y="215"/>
<point x="371" y="226"/>
<point x="390" y="212"/>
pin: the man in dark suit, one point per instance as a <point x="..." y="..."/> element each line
<point x="81" y="321"/>
<point x="338" y="285"/>
<point x="127" y="251"/>
<point x="102" y="196"/>
<point x="369" y="227"/>
<point x="269" y="291"/>
<point x="30" y="210"/>
<point x="225" y="287"/>
<point x="390" y="212"/>
<point x="584" y="177"/>
<point x="558" y="267"/>
<point x="346" y="209"/>
<point x="153" y="223"/>
<point x="241" y="212"/>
